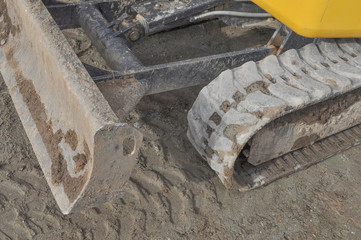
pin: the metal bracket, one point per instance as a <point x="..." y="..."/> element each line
<point x="285" y="39"/>
<point x="113" y="28"/>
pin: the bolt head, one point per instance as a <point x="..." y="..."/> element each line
<point x="161" y="5"/>
<point x="134" y="35"/>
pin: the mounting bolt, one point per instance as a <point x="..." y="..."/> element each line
<point x="134" y="35"/>
<point x="160" y="5"/>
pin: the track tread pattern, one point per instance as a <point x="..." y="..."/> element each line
<point x="237" y="104"/>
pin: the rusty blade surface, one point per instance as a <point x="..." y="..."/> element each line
<point x="85" y="152"/>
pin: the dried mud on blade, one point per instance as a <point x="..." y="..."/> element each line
<point x="86" y="154"/>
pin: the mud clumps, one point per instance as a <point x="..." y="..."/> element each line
<point x="316" y="121"/>
<point x="232" y="130"/>
<point x="332" y="108"/>
<point x="305" y="141"/>
<point x="258" y="86"/>
<point x="6" y="26"/>
<point x="56" y="170"/>
<point x="319" y="116"/>
<point x="80" y="162"/>
<point x="319" y="113"/>
<point x="331" y="82"/>
<point x="71" y="138"/>
<point x="59" y="173"/>
<point x="209" y="130"/>
<point x="226" y="106"/>
<point x="208" y="150"/>
<point x="304" y="70"/>
<point x="258" y="114"/>
<point x="216" y="118"/>
<point x="238" y="97"/>
<point x="81" y="159"/>
<point x="325" y="65"/>
<point x="269" y="78"/>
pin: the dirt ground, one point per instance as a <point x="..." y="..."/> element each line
<point x="172" y="193"/>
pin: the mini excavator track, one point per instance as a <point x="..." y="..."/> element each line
<point x="263" y="121"/>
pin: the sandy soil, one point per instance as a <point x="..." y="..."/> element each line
<point x="172" y="193"/>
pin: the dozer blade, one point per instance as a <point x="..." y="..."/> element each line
<point x="86" y="154"/>
<point x="257" y="123"/>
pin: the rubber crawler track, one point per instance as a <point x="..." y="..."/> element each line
<point x="235" y="106"/>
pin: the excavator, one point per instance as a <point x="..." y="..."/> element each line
<point x="263" y="113"/>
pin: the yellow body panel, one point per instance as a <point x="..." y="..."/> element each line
<point x="317" y="18"/>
